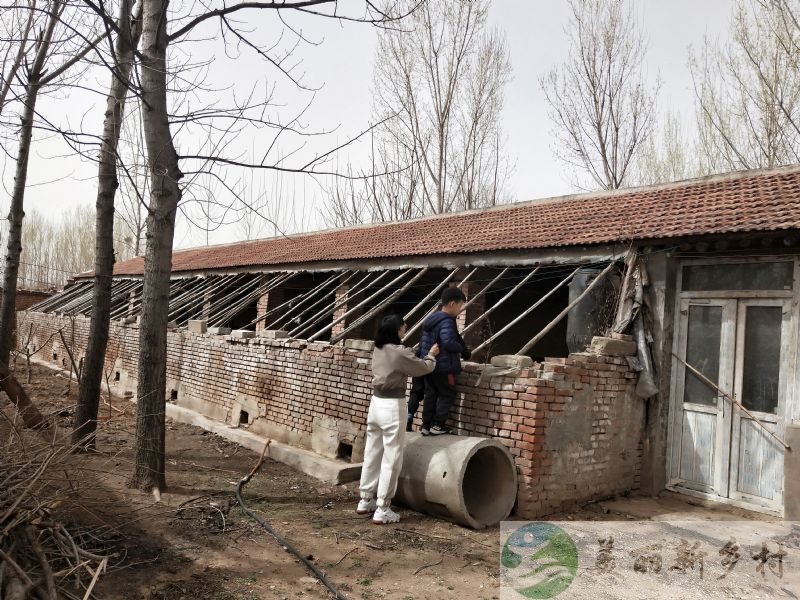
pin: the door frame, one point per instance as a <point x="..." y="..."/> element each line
<point x="721" y="409"/>
<point x="792" y="361"/>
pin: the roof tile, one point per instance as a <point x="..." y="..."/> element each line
<point x="737" y="202"/>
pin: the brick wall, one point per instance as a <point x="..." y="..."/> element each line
<point x="573" y="425"/>
<point x="27" y="298"/>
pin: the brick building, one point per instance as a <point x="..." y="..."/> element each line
<point x="703" y="274"/>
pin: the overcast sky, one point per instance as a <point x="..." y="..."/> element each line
<point x="342" y="65"/>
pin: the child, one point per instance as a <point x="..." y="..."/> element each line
<point x="440" y="386"/>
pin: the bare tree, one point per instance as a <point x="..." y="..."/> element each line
<point x="668" y="155"/>
<point x="55" y="248"/>
<point x="131" y="207"/>
<point x="163" y="76"/>
<point x="438" y="96"/>
<point x="16" y="29"/>
<point x="748" y="89"/>
<point x="40" y="49"/>
<point x="602" y="108"/>
<point x="126" y="43"/>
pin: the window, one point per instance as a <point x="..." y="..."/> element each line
<point x="738" y="276"/>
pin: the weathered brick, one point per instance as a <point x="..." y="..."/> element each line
<point x="296" y="382"/>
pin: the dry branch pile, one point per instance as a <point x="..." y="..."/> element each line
<point x="41" y="557"/>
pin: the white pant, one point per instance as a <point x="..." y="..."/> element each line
<point x="383" y="453"/>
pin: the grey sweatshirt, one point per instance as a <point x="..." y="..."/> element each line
<point x="391" y="367"/>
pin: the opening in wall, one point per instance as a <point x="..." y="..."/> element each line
<point x="345" y="451"/>
<point x="244" y="417"/>
<point x="173" y="395"/>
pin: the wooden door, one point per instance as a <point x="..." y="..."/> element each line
<point x="701" y="422"/>
<point x="761" y="380"/>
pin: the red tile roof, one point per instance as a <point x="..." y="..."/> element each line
<point x="735" y="202"/>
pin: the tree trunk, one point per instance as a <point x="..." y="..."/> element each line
<point x="27" y="410"/>
<point x="16" y="212"/>
<point x="85" y="424"/>
<point x="15" y="216"/>
<point x="164" y="196"/>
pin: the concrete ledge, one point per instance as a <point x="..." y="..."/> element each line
<point x="363" y="345"/>
<point x="273" y="334"/>
<point x="606" y="346"/>
<point x="218" y="330"/>
<point x="512" y="361"/>
<point x="243" y="334"/>
<point x="330" y="471"/>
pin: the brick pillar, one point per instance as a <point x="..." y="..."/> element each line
<point x="343" y="293"/>
<point x="477" y="308"/>
<point x="267" y="302"/>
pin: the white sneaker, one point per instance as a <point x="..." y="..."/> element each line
<point x="366" y="507"/>
<point x="384" y="515"/>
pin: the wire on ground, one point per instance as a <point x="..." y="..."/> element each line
<point x="285" y="544"/>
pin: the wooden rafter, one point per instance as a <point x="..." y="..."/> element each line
<point x="526" y="312"/>
<point x="379" y="307"/>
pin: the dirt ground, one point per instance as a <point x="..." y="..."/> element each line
<point x="197" y="543"/>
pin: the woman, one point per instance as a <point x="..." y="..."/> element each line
<point x="392" y="364"/>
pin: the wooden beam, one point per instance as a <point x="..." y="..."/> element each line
<point x="564" y="312"/>
<point x="359" y="305"/>
<point x="732" y="400"/>
<point x="247" y="299"/>
<point x="419" y="323"/>
<point x="331" y="309"/>
<point x="294" y="310"/>
<point x="526" y="312"/>
<point x="431" y="294"/>
<point x="373" y="311"/>
<point x="483" y="291"/>
<point x="502" y="300"/>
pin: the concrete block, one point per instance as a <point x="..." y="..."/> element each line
<point x="622" y="336"/>
<point x="273" y="334"/>
<point x="218" y="330"/>
<point x="791" y="474"/>
<point x="512" y="361"/>
<point x="197" y="326"/>
<point x="362" y="345"/>
<point x="243" y="334"/>
<point x="130" y="320"/>
<point x="605" y="346"/>
<point x="172" y="325"/>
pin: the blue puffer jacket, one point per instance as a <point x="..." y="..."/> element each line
<point x="441" y="328"/>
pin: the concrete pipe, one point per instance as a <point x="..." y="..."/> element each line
<point x="468" y="480"/>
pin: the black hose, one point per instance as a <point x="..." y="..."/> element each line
<point x="280" y="539"/>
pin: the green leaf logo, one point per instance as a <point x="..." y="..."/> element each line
<point x="539" y="560"/>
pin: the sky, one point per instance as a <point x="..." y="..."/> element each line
<point x="340" y="65"/>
